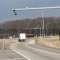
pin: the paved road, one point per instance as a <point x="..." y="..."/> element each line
<point x="40" y="54"/>
<point x="56" y="50"/>
<point x="10" y="55"/>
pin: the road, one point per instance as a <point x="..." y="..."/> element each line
<point x="21" y="51"/>
<point x="37" y="54"/>
<point x="56" y="50"/>
<point x="8" y="54"/>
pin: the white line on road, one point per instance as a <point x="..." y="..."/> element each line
<point x="20" y="53"/>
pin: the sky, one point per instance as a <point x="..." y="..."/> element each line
<point x="6" y="13"/>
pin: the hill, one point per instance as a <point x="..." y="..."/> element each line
<point x="52" y="24"/>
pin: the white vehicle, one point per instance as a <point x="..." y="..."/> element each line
<point x="22" y="36"/>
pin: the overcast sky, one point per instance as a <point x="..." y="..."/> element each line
<point x="6" y="5"/>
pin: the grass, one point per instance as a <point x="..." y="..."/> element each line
<point x="50" y="41"/>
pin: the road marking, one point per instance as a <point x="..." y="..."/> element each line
<point x="20" y="53"/>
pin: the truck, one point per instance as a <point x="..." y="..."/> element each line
<point x="22" y="37"/>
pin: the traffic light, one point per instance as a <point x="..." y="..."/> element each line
<point x="14" y="11"/>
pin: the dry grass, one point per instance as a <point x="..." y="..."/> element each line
<point x="50" y="41"/>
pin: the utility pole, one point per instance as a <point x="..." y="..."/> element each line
<point x="42" y="23"/>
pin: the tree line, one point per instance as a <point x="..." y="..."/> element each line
<point x="51" y="24"/>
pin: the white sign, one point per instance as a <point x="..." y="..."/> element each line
<point x="22" y="36"/>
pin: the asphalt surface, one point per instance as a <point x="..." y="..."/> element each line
<point x="55" y="50"/>
<point x="8" y="54"/>
<point x="33" y="53"/>
<point x="23" y="51"/>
